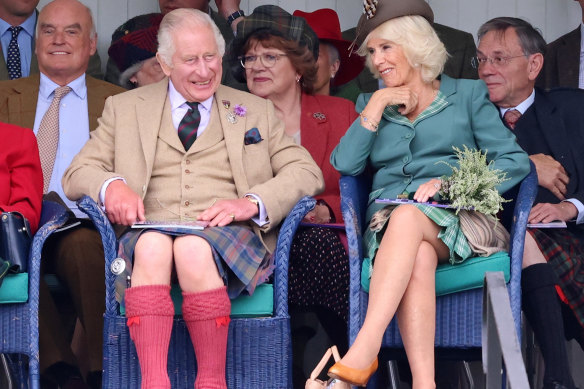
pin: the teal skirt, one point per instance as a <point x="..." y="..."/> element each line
<point x="451" y="233"/>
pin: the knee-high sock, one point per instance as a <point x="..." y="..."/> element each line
<point x="542" y="309"/>
<point x="150" y="311"/>
<point x="207" y="317"/>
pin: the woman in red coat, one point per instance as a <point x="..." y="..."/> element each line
<point x="21" y="177"/>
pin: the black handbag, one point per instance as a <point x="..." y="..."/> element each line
<point x="15" y="240"/>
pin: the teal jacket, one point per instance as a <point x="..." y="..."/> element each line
<point x="405" y="155"/>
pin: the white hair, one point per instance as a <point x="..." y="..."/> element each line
<point x="182" y="18"/>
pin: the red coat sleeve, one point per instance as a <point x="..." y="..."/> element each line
<point x="21" y="177"/>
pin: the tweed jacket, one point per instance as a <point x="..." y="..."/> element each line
<point x="21" y="177"/>
<point x="324" y="120"/>
<point x="18" y="99"/>
<point x="405" y="155"/>
<point x="554" y="125"/>
<point x="124" y="145"/>
<point x="561" y="66"/>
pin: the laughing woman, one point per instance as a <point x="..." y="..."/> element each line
<point x="403" y="131"/>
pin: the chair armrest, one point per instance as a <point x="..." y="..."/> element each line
<point x="523" y="203"/>
<point x="282" y="252"/>
<point x="108" y="239"/>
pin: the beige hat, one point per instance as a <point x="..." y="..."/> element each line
<point x="376" y="12"/>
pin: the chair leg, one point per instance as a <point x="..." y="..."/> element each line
<point x="392" y="375"/>
<point x="468" y="375"/>
<point x="6" y="368"/>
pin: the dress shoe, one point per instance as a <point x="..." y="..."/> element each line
<point x="352" y="376"/>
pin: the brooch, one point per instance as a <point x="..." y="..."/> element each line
<point x="238" y="110"/>
<point x="319" y="116"/>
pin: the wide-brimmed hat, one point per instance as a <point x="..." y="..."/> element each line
<point x="325" y="23"/>
<point x="277" y="22"/>
<point x="135" y="41"/>
<point x="376" y="12"/>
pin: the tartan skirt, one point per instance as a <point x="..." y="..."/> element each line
<point x="563" y="248"/>
<point x="242" y="260"/>
<point x="451" y="233"/>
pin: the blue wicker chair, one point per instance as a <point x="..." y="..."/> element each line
<point x="458" y="315"/>
<point x="19" y="321"/>
<point x="259" y="351"/>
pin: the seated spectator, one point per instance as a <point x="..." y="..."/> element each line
<point x="549" y="127"/>
<point x="21" y="177"/>
<point x="133" y="50"/>
<point x="404" y="130"/>
<point x="198" y="151"/>
<point x="276" y="53"/>
<point x="335" y="66"/>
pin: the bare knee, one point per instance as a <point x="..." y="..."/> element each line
<point x="152" y="259"/>
<point x="195" y="264"/>
<point x="531" y="252"/>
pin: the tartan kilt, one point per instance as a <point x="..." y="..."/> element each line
<point x="563" y="249"/>
<point x="242" y="260"/>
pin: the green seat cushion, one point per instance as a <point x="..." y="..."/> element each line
<point x="456" y="278"/>
<point x="260" y="304"/>
<point x="14" y="288"/>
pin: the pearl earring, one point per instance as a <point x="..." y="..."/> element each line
<point x="333" y="75"/>
<point x="297" y="79"/>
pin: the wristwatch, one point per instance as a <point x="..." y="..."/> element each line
<point x="231" y="18"/>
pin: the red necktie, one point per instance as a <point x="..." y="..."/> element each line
<point x="511" y="117"/>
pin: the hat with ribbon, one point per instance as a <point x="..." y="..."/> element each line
<point x="276" y="21"/>
<point x="135" y="41"/>
<point x="325" y="23"/>
<point x="376" y="12"/>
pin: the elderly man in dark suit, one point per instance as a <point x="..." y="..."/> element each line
<point x="548" y="126"/>
<point x="562" y="66"/>
<point x="65" y="42"/>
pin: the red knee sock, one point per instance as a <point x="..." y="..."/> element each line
<point x="207" y="317"/>
<point x="150" y="311"/>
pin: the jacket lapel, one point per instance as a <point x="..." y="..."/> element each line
<point x="233" y="133"/>
<point x="22" y="104"/>
<point x="314" y="128"/>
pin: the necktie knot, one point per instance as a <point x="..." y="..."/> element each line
<point x="511" y="117"/>
<point x="189" y="125"/>
<point x="15" y="30"/>
<point x="193" y="105"/>
<point x="61" y="91"/>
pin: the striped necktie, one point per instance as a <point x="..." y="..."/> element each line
<point x="188" y="126"/>
<point x="13" y="54"/>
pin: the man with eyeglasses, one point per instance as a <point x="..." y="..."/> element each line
<point x="548" y="125"/>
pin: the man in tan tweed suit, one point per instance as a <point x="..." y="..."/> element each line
<point x="242" y="174"/>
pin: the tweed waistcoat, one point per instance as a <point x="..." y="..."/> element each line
<point x="183" y="184"/>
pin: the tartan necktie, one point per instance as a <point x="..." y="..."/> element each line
<point x="13" y="54"/>
<point x="48" y="136"/>
<point x="188" y="126"/>
<point x="511" y="117"/>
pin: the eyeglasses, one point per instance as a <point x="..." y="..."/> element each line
<point x="497" y="61"/>
<point x="268" y="60"/>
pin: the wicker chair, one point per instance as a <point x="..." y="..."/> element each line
<point x="259" y="351"/>
<point x="19" y="329"/>
<point x="458" y="315"/>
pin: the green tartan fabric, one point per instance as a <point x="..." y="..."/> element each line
<point x="392" y="114"/>
<point x="450" y="234"/>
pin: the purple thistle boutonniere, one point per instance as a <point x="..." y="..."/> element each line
<point x="240" y="110"/>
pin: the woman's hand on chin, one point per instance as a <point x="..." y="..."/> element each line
<point x="403" y="96"/>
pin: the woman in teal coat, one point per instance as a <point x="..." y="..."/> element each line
<point x="404" y="131"/>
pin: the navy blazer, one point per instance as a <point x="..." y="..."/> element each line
<point x="554" y="125"/>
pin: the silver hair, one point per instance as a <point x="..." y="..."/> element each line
<point x="128" y="73"/>
<point x="182" y="18"/>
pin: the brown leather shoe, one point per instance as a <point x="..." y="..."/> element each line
<point x="352" y="376"/>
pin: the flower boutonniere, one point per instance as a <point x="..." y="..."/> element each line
<point x="238" y="111"/>
<point x="473" y="183"/>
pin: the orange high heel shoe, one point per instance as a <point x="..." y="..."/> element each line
<point x="352" y="376"/>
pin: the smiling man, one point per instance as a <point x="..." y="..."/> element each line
<point x="65" y="41"/>
<point x="183" y="149"/>
<point x="549" y="127"/>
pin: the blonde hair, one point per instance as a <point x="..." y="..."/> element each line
<point x="418" y="40"/>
